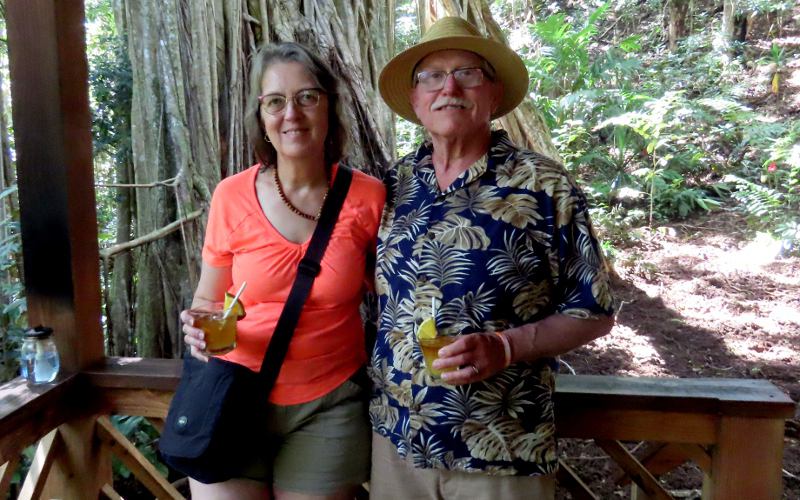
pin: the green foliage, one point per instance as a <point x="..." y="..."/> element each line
<point x="770" y="195"/>
<point x="144" y="436"/>
<point x="658" y="131"/>
<point x="13" y="312"/>
<point x="757" y="200"/>
<point x="111" y="93"/>
<point x="745" y="7"/>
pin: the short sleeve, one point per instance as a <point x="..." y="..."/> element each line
<point x="583" y="287"/>
<point x="216" y="247"/>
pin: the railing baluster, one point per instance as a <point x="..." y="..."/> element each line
<point x="569" y="479"/>
<point x="46" y="451"/>
<point x="638" y="473"/>
<point x="135" y="461"/>
<point x="6" y="474"/>
<point x="110" y="492"/>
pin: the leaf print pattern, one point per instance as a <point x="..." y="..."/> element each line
<point x="428" y="454"/>
<point x="406" y="190"/>
<point x="463" y="312"/>
<point x="492" y="440"/>
<point x="519" y="210"/>
<point x="403" y="347"/>
<point x="473" y="200"/>
<point x="444" y="264"/>
<point x="409" y="225"/>
<point x="514" y="263"/>
<point x="459" y="232"/>
<point x="507" y="243"/>
<point x="531" y="299"/>
<point x="505" y="398"/>
<point x="531" y="447"/>
<point x="427" y="414"/>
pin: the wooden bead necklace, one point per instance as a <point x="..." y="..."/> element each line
<point x="293" y="208"/>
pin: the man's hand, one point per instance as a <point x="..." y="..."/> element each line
<point x="477" y="356"/>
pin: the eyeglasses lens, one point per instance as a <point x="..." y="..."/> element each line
<point x="275" y="104"/>
<point x="435" y="80"/>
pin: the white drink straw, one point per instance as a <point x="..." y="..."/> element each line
<point x="227" y="311"/>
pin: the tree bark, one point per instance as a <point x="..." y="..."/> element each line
<point x="174" y="133"/>
<point x="121" y="273"/>
<point x="728" y="21"/>
<point x="678" y="11"/>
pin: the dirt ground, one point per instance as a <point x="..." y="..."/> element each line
<point x="706" y="298"/>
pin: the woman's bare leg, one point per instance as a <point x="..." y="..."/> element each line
<point x="232" y="489"/>
<point x="348" y="493"/>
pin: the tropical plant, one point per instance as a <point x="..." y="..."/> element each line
<point x="13" y="310"/>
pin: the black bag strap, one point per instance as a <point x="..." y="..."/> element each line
<point x="307" y="270"/>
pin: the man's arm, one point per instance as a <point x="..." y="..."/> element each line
<point x="554" y="335"/>
<point x="481" y="355"/>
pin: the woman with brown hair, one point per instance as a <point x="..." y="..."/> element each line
<point x="259" y="227"/>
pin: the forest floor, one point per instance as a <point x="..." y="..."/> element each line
<point x="702" y="298"/>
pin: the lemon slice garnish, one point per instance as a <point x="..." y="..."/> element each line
<point x="427" y="330"/>
<point x="238" y="309"/>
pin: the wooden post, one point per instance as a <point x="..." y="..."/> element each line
<point x="49" y="73"/>
<point x="746" y="461"/>
<point x="52" y="130"/>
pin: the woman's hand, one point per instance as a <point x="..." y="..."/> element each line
<point x="193" y="337"/>
<point x="479" y="356"/>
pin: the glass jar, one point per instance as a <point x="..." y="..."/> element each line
<point x="39" y="361"/>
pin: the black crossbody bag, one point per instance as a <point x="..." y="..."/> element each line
<point x="219" y="408"/>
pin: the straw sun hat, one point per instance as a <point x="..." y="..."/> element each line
<point x="396" y="80"/>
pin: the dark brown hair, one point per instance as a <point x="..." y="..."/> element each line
<point x="292" y="52"/>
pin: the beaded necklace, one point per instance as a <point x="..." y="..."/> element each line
<point x="293" y="208"/>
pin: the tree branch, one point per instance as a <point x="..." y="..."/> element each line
<point x="168" y="182"/>
<point x="151" y="236"/>
<point x="251" y="19"/>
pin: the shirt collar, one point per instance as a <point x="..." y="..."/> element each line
<point x="423" y="163"/>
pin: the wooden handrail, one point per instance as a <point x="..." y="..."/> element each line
<point x="28" y="413"/>
<point x="732" y="397"/>
<point x="740" y="397"/>
<point x="738" y="420"/>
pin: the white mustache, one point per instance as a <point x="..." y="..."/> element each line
<point x="451" y="101"/>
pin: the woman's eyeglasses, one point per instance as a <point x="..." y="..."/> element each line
<point x="275" y="104"/>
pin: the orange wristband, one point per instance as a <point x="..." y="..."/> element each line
<point x="506" y="347"/>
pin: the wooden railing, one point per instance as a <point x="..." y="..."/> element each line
<point x="732" y="429"/>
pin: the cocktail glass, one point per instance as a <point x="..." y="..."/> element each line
<point x="220" y="332"/>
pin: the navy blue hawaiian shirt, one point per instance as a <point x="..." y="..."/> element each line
<point x="508" y="243"/>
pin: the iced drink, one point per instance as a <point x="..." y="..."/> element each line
<point x="220" y="333"/>
<point x="430" y="351"/>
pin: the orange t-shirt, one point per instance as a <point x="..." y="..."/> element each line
<point x="328" y="344"/>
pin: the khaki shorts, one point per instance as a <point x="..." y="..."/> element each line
<point x="319" y="447"/>
<point x="396" y="478"/>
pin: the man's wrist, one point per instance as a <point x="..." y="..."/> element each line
<point x="523" y="341"/>
<point x="507" y="352"/>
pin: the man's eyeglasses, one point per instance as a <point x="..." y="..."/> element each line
<point x="275" y="104"/>
<point x="435" y="79"/>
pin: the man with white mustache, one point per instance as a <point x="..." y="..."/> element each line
<point x="494" y="243"/>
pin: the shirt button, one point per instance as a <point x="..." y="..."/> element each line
<point x="431" y="236"/>
<point x="416" y="365"/>
<point x="415" y="408"/>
